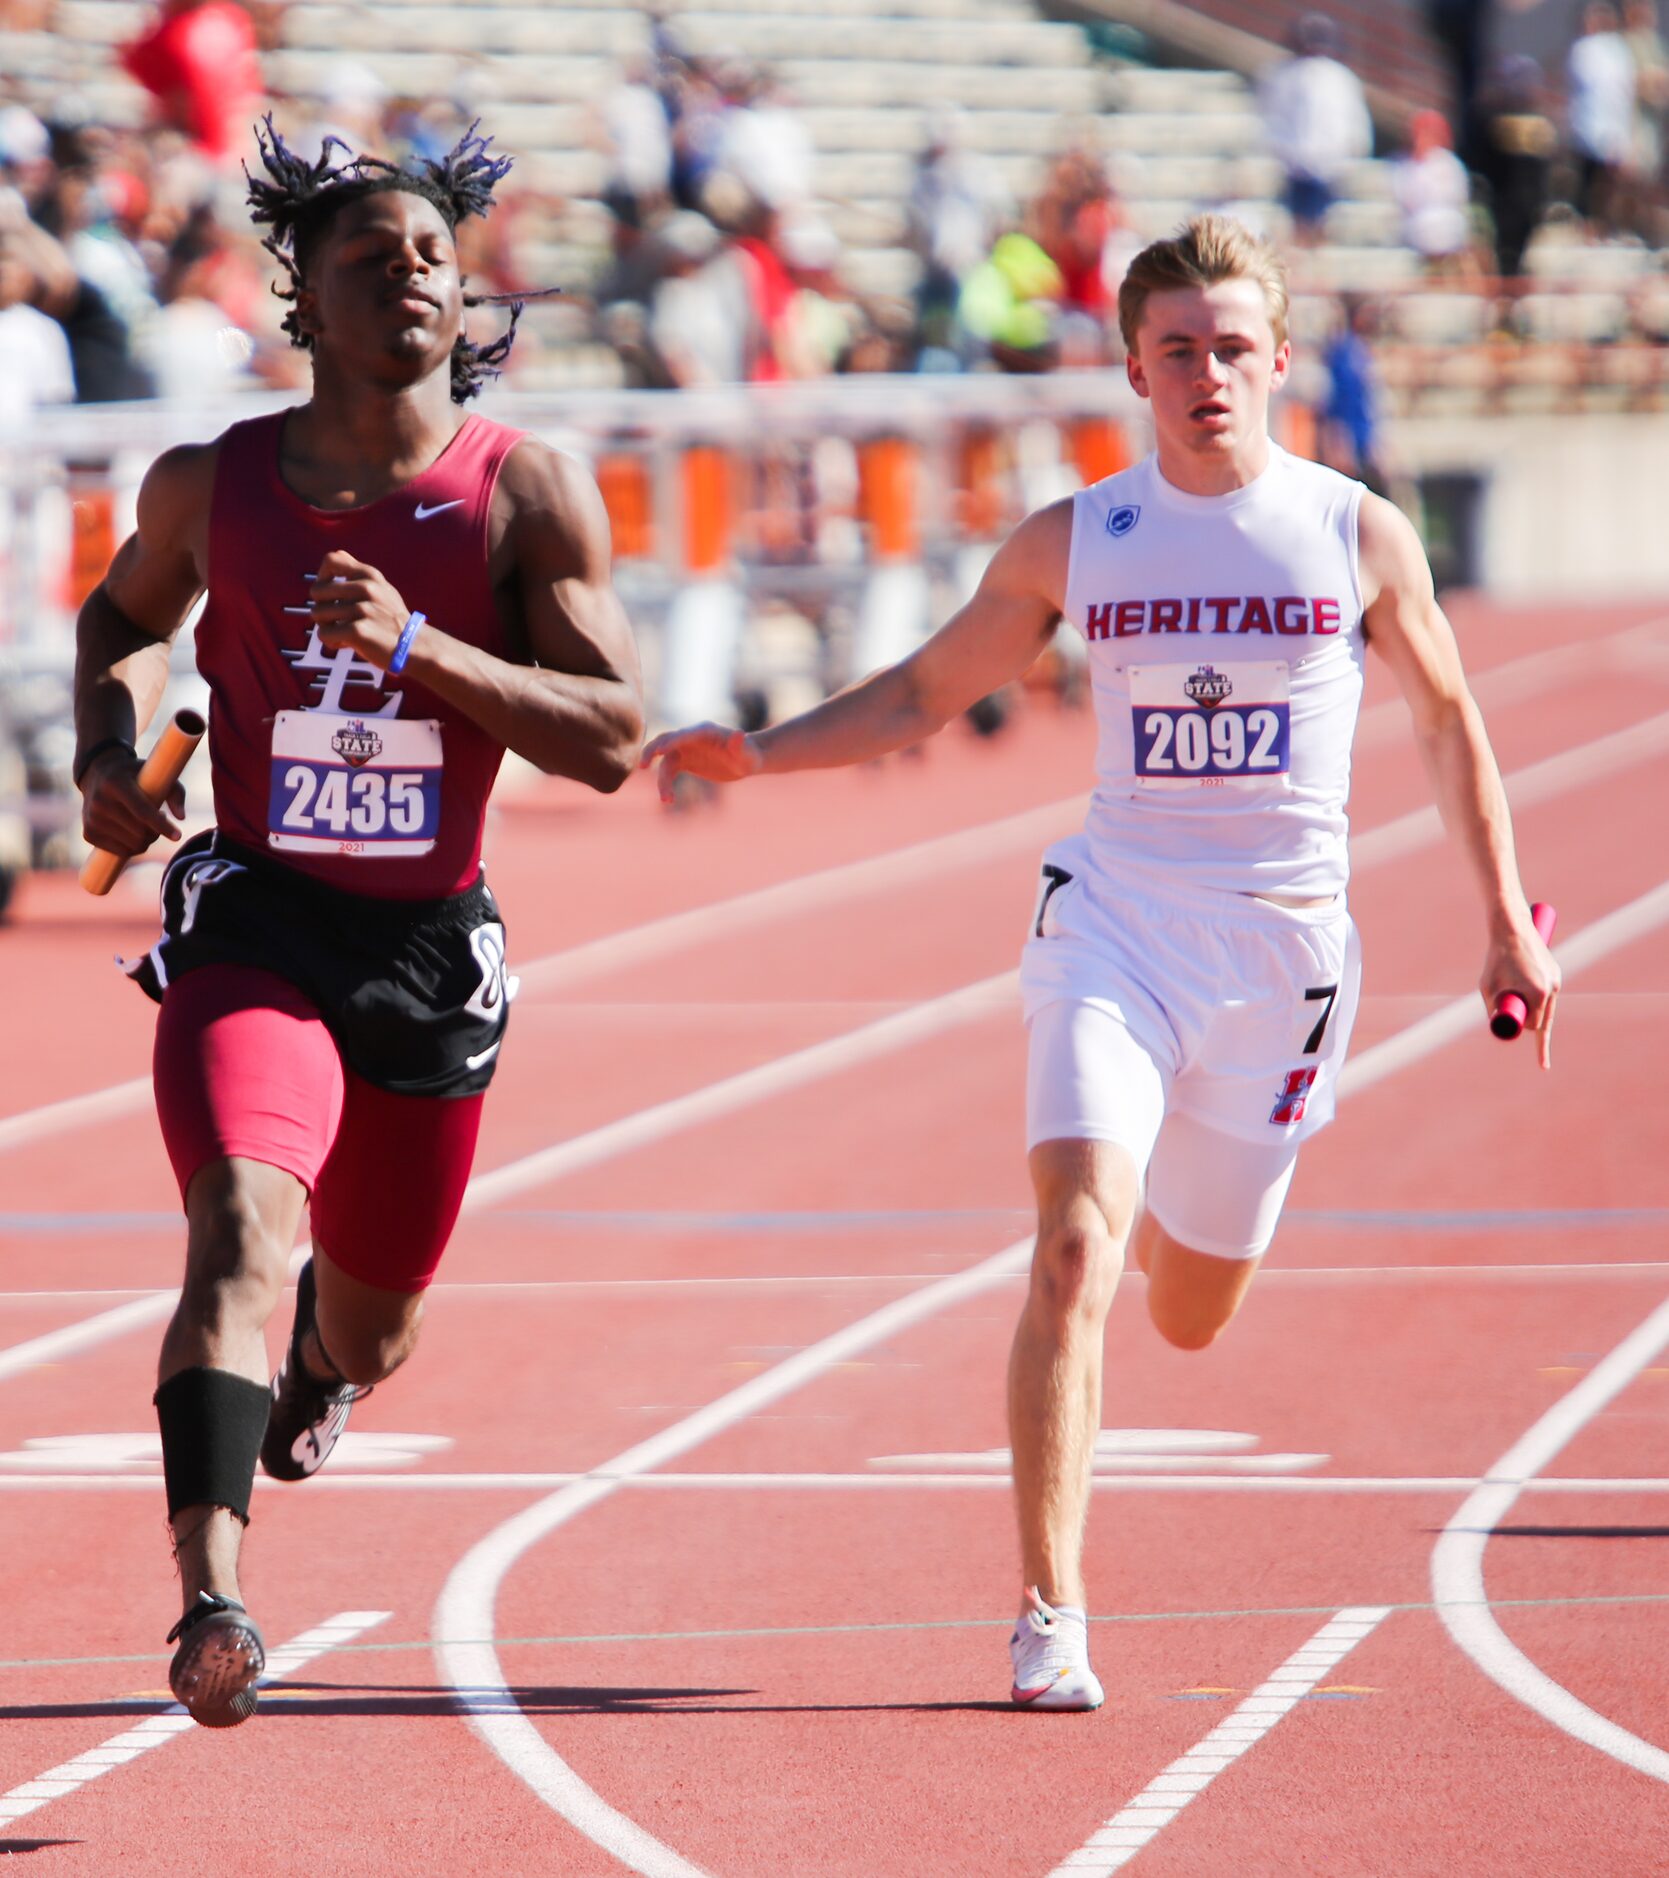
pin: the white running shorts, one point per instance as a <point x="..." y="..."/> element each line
<point x="1203" y="1032"/>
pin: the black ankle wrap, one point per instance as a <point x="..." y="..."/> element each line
<point x="212" y="1423"/>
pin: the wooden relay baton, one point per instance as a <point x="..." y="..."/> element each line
<point x="159" y="773"/>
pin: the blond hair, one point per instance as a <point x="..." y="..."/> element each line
<point x="1209" y="249"/>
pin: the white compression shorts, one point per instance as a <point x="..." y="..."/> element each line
<point x="1202" y="1032"/>
<point x="1088" y="1079"/>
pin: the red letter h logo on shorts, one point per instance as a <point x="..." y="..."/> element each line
<point x="1289" y="1104"/>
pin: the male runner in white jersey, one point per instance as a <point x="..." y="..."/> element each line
<point x="1192" y="974"/>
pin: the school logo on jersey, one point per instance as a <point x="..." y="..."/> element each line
<point x="1208" y="686"/>
<point x="1121" y="521"/>
<point x="356" y="745"/>
<point x="334" y="671"/>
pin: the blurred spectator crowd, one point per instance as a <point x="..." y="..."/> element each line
<point x="128" y="268"/>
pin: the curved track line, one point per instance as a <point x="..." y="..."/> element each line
<point x="464" y="1613"/>
<point x="1457" y="1561"/>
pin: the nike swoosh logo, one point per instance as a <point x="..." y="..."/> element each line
<point x="423" y="513"/>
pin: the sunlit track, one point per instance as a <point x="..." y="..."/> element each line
<point x="971" y="1004"/>
<point x="1457" y="1562"/>
<point x="695" y="1653"/>
<point x="466" y="1608"/>
<point x="1512" y="681"/>
<point x="1373" y="848"/>
<point x="1520" y="680"/>
<point x="893" y="1481"/>
<point x="120" y="1750"/>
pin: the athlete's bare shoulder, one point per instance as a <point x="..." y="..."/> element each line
<point x="1389" y="552"/>
<point x="163" y="565"/>
<point x="181" y="481"/>
<point x="1034" y="559"/>
<point x="546" y="503"/>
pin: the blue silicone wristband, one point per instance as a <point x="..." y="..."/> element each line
<point x="402" y="646"/>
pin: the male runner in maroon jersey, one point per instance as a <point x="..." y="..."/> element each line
<point x="396" y="594"/>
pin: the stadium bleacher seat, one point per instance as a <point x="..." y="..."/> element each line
<point x="867" y="76"/>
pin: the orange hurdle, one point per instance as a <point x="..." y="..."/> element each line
<point x="624" y="482"/>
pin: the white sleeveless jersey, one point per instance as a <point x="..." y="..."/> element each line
<point x="1225" y="655"/>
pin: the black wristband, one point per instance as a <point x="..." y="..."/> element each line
<point x="84" y="761"/>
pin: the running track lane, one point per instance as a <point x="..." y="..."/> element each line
<point x="984" y="1651"/>
<point x="466" y="1609"/>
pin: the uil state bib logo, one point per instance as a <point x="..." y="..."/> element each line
<point x="1208" y="685"/>
<point x="1121" y="521"/>
<point x="355" y="744"/>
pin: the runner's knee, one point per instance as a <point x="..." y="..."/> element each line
<point x="238" y="1247"/>
<point x="366" y="1353"/>
<point x="1188" y="1326"/>
<point x="1076" y="1267"/>
<point x="1192" y="1296"/>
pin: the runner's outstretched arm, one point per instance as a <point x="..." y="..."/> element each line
<point x="992" y="640"/>
<point x="1408" y="627"/>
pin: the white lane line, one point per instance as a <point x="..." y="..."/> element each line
<point x="56" y="1118"/>
<point x="807" y="893"/>
<point x="902" y="866"/>
<point x="1159" y="1802"/>
<point x="1457" y="1562"/>
<point x="463" y="1620"/>
<point x="53" y="1345"/>
<point x="1445" y="1484"/>
<point x="846" y="1051"/>
<point x="158" y="1729"/>
<point x="1539" y="782"/>
<point x="966" y="847"/>
<point x="1607" y="934"/>
<point x="464" y="1614"/>
<point x="1515" y="681"/>
<point x="863" y="1045"/>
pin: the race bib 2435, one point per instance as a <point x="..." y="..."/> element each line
<point x="349" y="785"/>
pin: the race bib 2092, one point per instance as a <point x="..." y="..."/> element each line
<point x="1210" y="724"/>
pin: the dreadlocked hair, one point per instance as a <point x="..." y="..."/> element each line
<point x="297" y="200"/>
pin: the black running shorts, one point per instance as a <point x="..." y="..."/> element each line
<point x="414" y="992"/>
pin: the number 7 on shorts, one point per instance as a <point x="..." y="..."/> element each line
<point x="1328" y="994"/>
<point x="1054" y="878"/>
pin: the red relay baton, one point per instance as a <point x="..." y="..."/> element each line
<point x="1510" y="1010"/>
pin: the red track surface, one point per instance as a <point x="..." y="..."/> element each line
<point x="810" y="1677"/>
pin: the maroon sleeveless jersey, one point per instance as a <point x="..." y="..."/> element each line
<point x="335" y="768"/>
